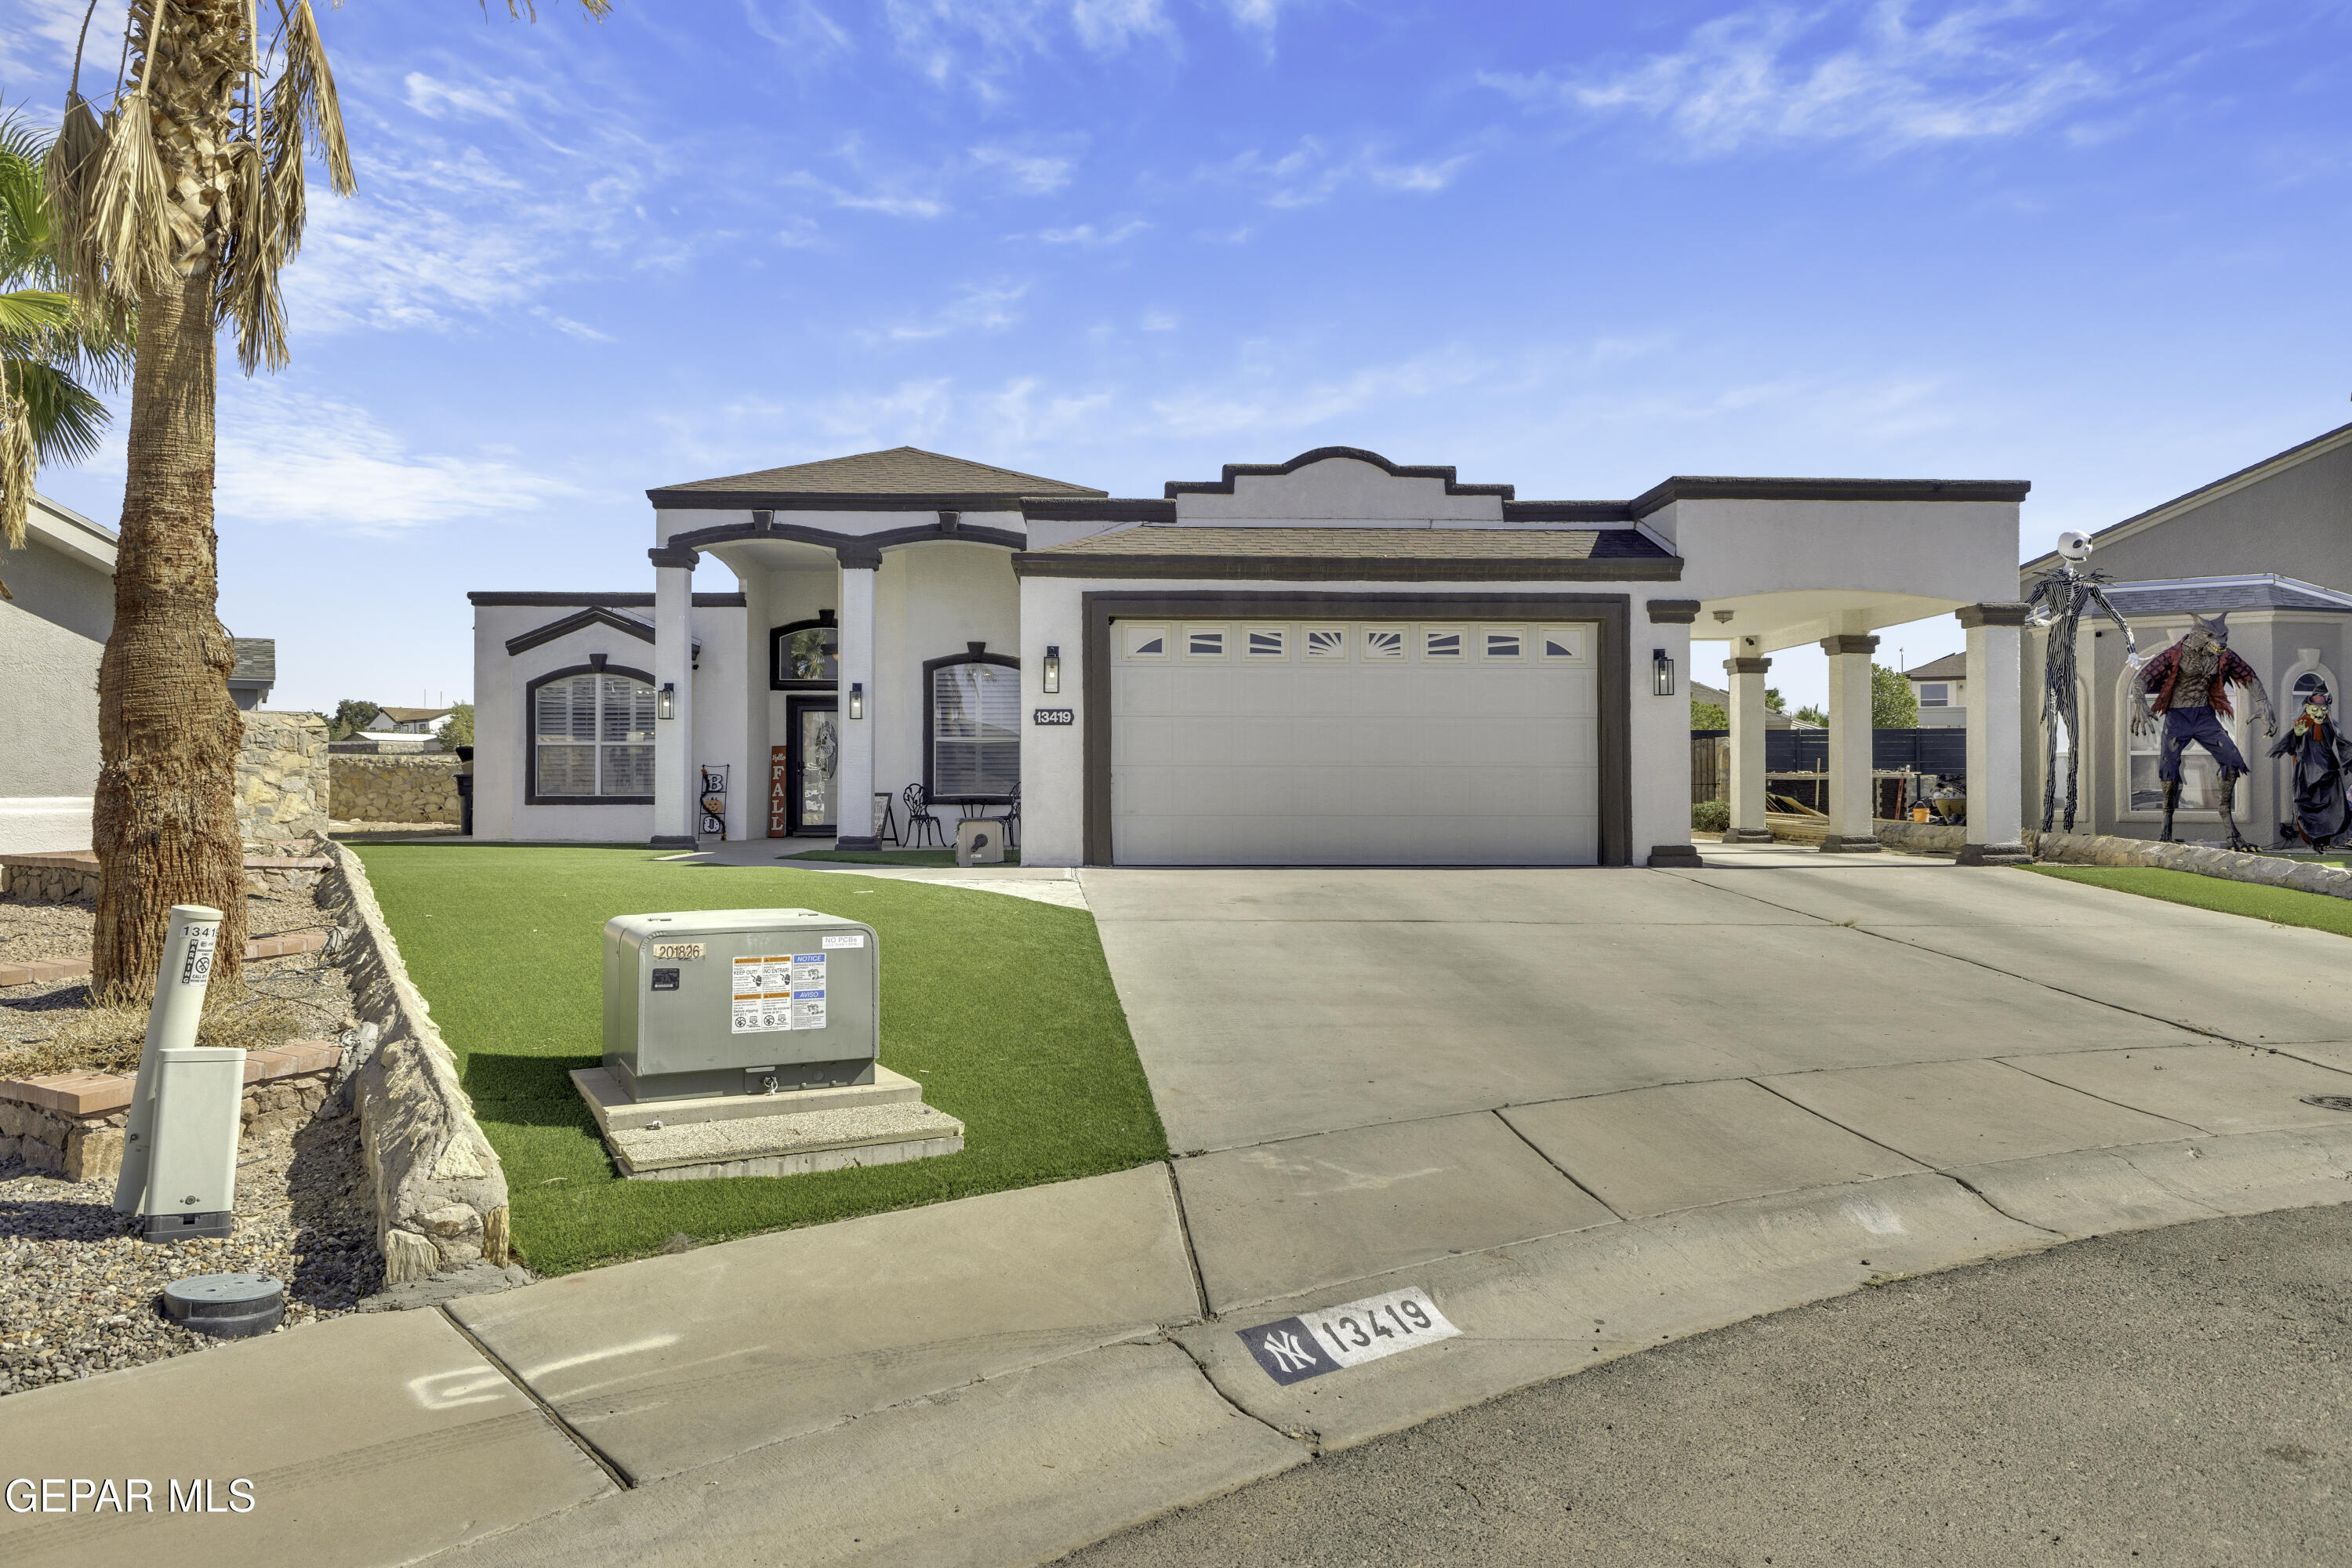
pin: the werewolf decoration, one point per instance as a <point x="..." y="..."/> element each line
<point x="2058" y="601"/>
<point x="2190" y="682"/>
<point x="2322" y="758"/>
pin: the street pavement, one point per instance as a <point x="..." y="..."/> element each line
<point x="2170" y="1397"/>
<point x="1574" y="1115"/>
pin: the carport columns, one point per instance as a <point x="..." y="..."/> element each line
<point x="860" y="707"/>
<point x="1994" y="759"/>
<point x="1748" y="784"/>
<point x="1851" y="830"/>
<point x="676" y="794"/>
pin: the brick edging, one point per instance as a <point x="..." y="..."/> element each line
<point x="95" y="1093"/>
<point x="41" y="969"/>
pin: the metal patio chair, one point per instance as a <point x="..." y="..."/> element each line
<point x="922" y="825"/>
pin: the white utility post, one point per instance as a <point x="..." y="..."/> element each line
<point x="179" y="1153"/>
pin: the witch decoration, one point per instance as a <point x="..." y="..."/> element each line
<point x="2190" y="682"/>
<point x="2057" y="602"/>
<point x="2322" y="758"/>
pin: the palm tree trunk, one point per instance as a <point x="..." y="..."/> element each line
<point x="164" y="824"/>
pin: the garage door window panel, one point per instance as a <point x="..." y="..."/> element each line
<point x="1205" y="643"/>
<point x="972" y="723"/>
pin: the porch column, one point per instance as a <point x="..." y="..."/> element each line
<point x="855" y="774"/>
<point x="1748" y="784"/>
<point x="1850" y="744"/>
<point x="1996" y="767"/>
<point x="676" y="793"/>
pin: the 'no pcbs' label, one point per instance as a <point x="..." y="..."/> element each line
<point x="778" y="992"/>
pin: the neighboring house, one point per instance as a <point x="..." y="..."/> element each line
<point x="256" y="671"/>
<point x="1941" y="687"/>
<point x="1702" y="692"/>
<point x="51" y="634"/>
<point x="1334" y="661"/>
<point x="2271" y="544"/>
<point x="406" y="720"/>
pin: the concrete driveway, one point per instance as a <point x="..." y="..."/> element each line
<point x="1362" y="1071"/>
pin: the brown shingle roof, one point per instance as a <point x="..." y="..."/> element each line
<point x="1951" y="666"/>
<point x="901" y="470"/>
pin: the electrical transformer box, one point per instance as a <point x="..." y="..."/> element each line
<point x="740" y="1001"/>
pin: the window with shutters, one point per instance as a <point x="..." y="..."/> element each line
<point x="972" y="748"/>
<point x="591" y="737"/>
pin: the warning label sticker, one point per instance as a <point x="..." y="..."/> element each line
<point x="778" y="991"/>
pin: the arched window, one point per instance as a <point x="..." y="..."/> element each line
<point x="591" y="737"/>
<point x="971" y="726"/>
<point x="803" y="655"/>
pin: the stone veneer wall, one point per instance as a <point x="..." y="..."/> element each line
<point x="440" y="1192"/>
<point x="2271" y="870"/>
<point x="282" y="777"/>
<point x="72" y="1123"/>
<point x="418" y="787"/>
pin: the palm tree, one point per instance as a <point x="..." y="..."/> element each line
<point x="183" y="201"/>
<point x="55" y="357"/>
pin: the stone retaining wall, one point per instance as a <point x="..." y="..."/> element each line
<point x="440" y="1192"/>
<point x="2271" y="870"/>
<point x="422" y="788"/>
<point x="72" y="1123"/>
<point x="1924" y="837"/>
<point x="281" y="776"/>
<point x="63" y="878"/>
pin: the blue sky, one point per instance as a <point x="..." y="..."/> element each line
<point x="1576" y="248"/>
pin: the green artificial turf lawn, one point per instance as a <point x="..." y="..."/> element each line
<point x="2281" y="906"/>
<point x="1000" y="1008"/>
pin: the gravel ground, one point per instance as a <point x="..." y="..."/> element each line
<point x="81" y="1294"/>
<point x="29" y="932"/>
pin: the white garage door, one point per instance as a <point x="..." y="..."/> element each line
<point x="1354" y="743"/>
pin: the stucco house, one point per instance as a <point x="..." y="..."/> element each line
<point x="1940" y="687"/>
<point x="52" y="632"/>
<point x="2271" y="545"/>
<point x="1333" y="660"/>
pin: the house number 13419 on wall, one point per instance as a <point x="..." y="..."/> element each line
<point x="1054" y="716"/>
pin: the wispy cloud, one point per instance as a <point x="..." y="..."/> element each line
<point x="805" y="33"/>
<point x="1087" y="237"/>
<point x="1313" y="171"/>
<point x="1029" y="174"/>
<point x="1264" y="400"/>
<point x="1883" y="74"/>
<point x="986" y="309"/>
<point x="329" y="465"/>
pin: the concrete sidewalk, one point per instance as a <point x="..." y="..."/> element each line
<point x="1583" y="1112"/>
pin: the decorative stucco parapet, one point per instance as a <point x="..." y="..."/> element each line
<point x="440" y="1192"/>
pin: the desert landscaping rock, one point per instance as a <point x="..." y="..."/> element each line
<point x="80" y="1294"/>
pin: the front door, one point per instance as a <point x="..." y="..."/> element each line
<point x="802" y="797"/>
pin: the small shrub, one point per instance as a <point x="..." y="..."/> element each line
<point x="1711" y="816"/>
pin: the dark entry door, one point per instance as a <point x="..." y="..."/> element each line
<point x="812" y="750"/>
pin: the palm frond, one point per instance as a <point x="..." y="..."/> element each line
<point x="64" y="419"/>
<point x="70" y="172"/>
<point x="312" y="88"/>
<point x="30" y="317"/>
<point x="528" y="10"/>
<point x="16" y="463"/>
<point x="130" y="223"/>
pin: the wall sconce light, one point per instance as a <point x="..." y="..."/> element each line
<point x="857" y="700"/>
<point x="1661" y="673"/>
<point x="1052" y="668"/>
<point x="667" y="707"/>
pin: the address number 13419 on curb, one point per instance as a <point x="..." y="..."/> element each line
<point x="1313" y="1343"/>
